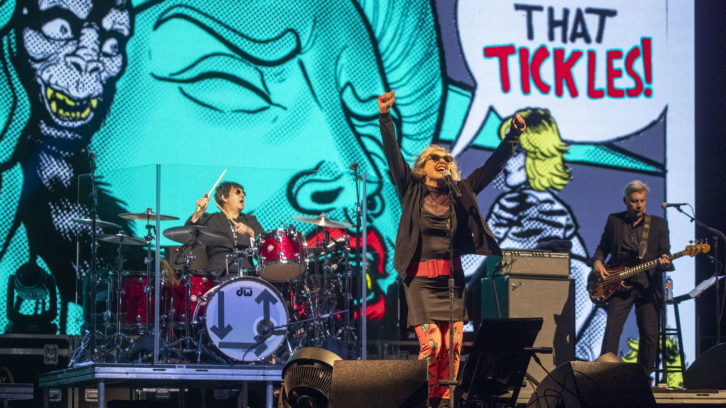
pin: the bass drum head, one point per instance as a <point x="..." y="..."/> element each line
<point x="243" y="318"/>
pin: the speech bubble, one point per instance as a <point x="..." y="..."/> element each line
<point x="599" y="70"/>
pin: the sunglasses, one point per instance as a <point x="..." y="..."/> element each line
<point x="437" y="157"/>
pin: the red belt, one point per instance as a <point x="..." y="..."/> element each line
<point x="433" y="268"/>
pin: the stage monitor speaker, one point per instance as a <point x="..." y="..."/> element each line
<point x="709" y="369"/>
<point x="551" y="299"/>
<point x="378" y="383"/>
<point x="594" y="384"/>
<point x="498" y="360"/>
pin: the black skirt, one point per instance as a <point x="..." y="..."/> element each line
<point x="428" y="299"/>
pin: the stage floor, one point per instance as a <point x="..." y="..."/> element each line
<point x="664" y="397"/>
<point x="103" y="376"/>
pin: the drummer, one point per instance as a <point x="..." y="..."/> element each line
<point x="239" y="228"/>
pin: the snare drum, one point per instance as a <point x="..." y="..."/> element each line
<point x="245" y="318"/>
<point x="282" y="254"/>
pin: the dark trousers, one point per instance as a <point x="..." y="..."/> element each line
<point x="646" y="314"/>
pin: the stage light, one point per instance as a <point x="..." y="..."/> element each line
<point x="307" y="378"/>
<point x="33" y="285"/>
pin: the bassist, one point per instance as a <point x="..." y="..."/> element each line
<point x="632" y="236"/>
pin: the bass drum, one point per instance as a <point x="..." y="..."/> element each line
<point x="245" y="318"/>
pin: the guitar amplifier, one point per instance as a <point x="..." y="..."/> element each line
<point x="551" y="299"/>
<point x="523" y="262"/>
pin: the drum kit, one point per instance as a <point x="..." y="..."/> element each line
<point x="296" y="294"/>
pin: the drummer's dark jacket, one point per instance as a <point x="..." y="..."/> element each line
<point x="217" y="222"/>
<point x="473" y="235"/>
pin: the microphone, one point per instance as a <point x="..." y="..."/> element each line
<point x="353" y="166"/>
<point x="666" y="205"/>
<point x="452" y="184"/>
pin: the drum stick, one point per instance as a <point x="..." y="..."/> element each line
<point x="215" y="184"/>
<point x="225" y="214"/>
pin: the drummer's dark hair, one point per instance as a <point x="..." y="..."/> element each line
<point x="224" y="189"/>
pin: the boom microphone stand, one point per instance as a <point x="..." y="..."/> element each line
<point x="454" y="194"/>
<point x="716" y="265"/>
<point x="94" y="252"/>
<point x="348" y="296"/>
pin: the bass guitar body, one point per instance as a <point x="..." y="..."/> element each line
<point x="599" y="290"/>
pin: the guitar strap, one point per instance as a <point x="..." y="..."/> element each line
<point x="644" y="238"/>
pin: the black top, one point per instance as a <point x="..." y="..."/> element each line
<point x="218" y="222"/>
<point x="620" y="238"/>
<point x="472" y="235"/>
<point x="435" y="236"/>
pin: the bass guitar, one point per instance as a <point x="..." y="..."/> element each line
<point x="600" y="290"/>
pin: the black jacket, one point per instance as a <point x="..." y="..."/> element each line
<point x="217" y="222"/>
<point x="611" y="244"/>
<point x="473" y="235"/>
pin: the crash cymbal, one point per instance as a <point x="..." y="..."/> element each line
<point x="147" y="215"/>
<point x="99" y="223"/>
<point x="323" y="221"/>
<point x="120" y="239"/>
<point x="186" y="233"/>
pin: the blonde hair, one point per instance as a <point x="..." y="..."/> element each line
<point x="418" y="166"/>
<point x="544" y="150"/>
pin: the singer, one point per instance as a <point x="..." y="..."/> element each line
<point x="422" y="243"/>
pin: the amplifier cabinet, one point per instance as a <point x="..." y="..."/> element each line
<point x="551" y="299"/>
<point x="532" y="263"/>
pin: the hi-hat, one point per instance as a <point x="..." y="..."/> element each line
<point x="204" y="234"/>
<point x="99" y="223"/>
<point x="147" y="215"/>
<point x="323" y="221"/>
<point x="120" y="239"/>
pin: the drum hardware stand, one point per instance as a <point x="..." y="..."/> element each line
<point x="187" y="343"/>
<point x="239" y="256"/>
<point x="115" y="287"/>
<point x="347" y="329"/>
<point x="147" y="260"/>
<point x="94" y="254"/>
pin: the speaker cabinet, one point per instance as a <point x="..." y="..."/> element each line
<point x="378" y="383"/>
<point x="594" y="384"/>
<point x="709" y="369"/>
<point x="551" y="299"/>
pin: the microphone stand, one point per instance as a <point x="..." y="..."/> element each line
<point x="94" y="205"/>
<point x="454" y="193"/>
<point x="346" y="333"/>
<point x="716" y="235"/>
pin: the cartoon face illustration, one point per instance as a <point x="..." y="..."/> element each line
<point x="70" y="55"/>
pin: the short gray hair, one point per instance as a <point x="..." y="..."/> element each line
<point x="635" y="186"/>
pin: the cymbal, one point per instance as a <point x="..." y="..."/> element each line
<point x="99" y="223"/>
<point x="147" y="215"/>
<point x="120" y="239"/>
<point x="208" y="237"/>
<point x="323" y="221"/>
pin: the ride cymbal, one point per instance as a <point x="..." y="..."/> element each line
<point x="147" y="215"/>
<point x="120" y="239"/>
<point x="186" y="233"/>
<point x="323" y="221"/>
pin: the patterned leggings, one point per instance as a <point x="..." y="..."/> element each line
<point x="431" y="338"/>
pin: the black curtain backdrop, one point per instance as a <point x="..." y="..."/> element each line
<point x="710" y="68"/>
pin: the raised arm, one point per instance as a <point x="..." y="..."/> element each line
<point x="484" y="175"/>
<point x="399" y="168"/>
